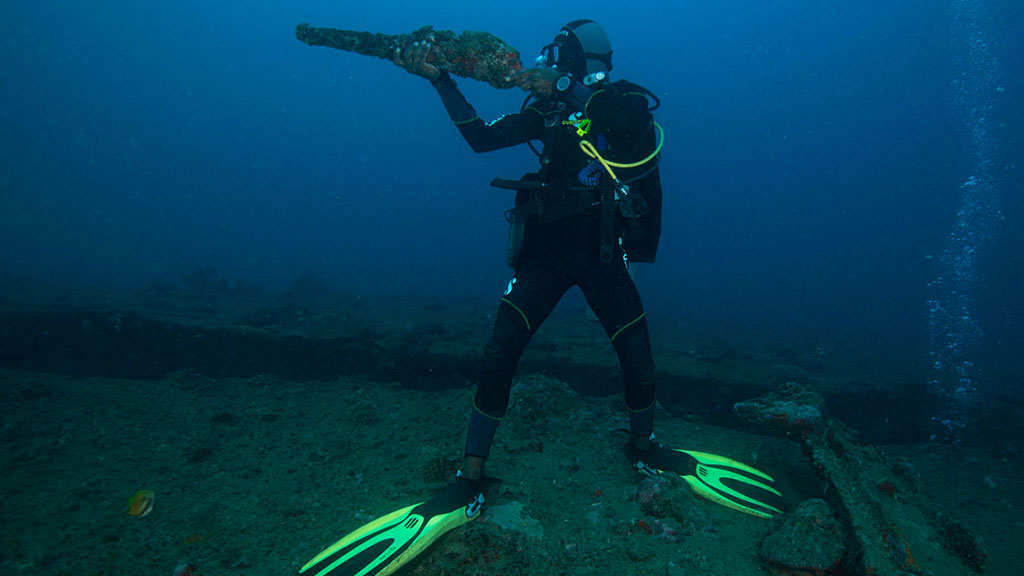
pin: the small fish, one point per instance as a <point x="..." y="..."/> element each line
<point x="141" y="503"/>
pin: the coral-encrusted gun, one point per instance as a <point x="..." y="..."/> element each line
<point x="477" y="55"/>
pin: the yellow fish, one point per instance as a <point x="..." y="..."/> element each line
<point x="141" y="503"/>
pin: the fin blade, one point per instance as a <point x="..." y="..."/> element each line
<point x="702" y="490"/>
<point x="384" y="545"/>
<point x="435" y="528"/>
<point x="732" y="484"/>
<point x="344" y="546"/>
<point x="721" y="461"/>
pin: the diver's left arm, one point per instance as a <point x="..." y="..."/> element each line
<point x="481" y="136"/>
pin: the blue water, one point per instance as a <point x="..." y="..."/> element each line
<point x="812" y="167"/>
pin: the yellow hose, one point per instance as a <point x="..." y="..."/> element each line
<point x="592" y="152"/>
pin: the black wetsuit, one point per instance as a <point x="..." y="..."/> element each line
<point x="563" y="243"/>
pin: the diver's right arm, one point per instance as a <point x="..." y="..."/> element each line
<point x="506" y="131"/>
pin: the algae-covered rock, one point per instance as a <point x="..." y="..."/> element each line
<point x="793" y="408"/>
<point x="662" y="497"/>
<point x="480" y="549"/>
<point x="811" y="540"/>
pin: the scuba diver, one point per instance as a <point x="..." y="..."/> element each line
<point x="591" y="210"/>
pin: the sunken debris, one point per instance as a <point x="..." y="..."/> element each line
<point x="477" y="55"/>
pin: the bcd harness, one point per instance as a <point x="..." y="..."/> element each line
<point x="613" y="193"/>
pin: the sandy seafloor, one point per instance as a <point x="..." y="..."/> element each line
<point x="255" y="475"/>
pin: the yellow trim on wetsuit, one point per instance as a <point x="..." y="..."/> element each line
<point x="521" y="313"/>
<point x="461" y="122"/>
<point x="488" y="416"/>
<point x="634" y="321"/>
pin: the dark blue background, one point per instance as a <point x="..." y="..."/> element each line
<point x="812" y="163"/>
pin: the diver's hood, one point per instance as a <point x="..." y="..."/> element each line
<point x="581" y="48"/>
